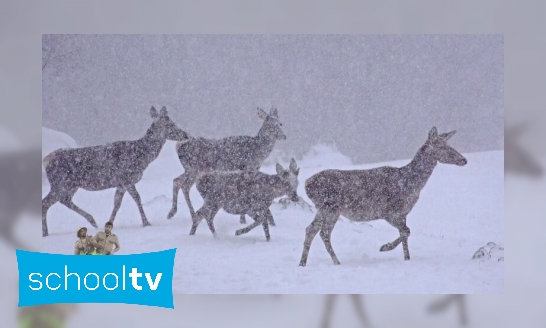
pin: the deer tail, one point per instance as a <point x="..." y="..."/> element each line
<point x="49" y="158"/>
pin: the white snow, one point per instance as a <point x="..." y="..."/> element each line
<point x="460" y="210"/>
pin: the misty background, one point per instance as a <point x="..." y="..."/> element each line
<point x="375" y="97"/>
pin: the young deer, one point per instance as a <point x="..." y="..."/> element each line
<point x="244" y="192"/>
<point x="200" y="155"/>
<point x="388" y="193"/>
<point x="118" y="165"/>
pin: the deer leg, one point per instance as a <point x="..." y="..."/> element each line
<point x="404" y="234"/>
<point x="357" y="302"/>
<point x="256" y="223"/>
<point x="443" y="303"/>
<point x="269" y="217"/>
<point x="325" y="234"/>
<point x="51" y="198"/>
<point x="310" y="233"/>
<point x="265" y="224"/>
<point x="177" y="184"/>
<point x="188" y="179"/>
<point x="243" y="219"/>
<point x="67" y="201"/>
<point x="120" y="191"/>
<point x="390" y="246"/>
<point x="134" y="193"/>
<point x="210" y="219"/>
<point x="205" y="212"/>
<point x="328" y="309"/>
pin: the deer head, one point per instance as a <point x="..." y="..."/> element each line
<point x="164" y="128"/>
<point x="441" y="151"/>
<point x="291" y="176"/>
<point x="271" y="126"/>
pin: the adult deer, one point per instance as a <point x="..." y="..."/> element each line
<point x="117" y="165"/>
<point x="228" y="154"/>
<point x="388" y="193"/>
<point x="244" y="192"/>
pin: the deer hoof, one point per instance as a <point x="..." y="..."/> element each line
<point x="386" y="248"/>
<point x="146" y="224"/>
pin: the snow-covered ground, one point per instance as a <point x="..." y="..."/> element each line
<point x="460" y="210"/>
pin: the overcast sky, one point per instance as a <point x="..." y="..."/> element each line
<point x="375" y="96"/>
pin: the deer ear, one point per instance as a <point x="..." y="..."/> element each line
<point x="297" y="171"/>
<point x="163" y="111"/>
<point x="262" y="114"/>
<point x="153" y="113"/>
<point x="273" y="112"/>
<point x="293" y="166"/>
<point x="446" y="136"/>
<point x="279" y="168"/>
<point x="433" y="134"/>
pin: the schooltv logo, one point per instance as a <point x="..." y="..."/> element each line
<point x="144" y="279"/>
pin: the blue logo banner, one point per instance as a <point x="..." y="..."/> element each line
<point x="144" y="279"/>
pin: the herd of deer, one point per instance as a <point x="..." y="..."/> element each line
<point x="226" y="174"/>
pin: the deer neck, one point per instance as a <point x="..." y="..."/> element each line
<point x="280" y="187"/>
<point x="151" y="146"/>
<point x="266" y="141"/>
<point x="419" y="170"/>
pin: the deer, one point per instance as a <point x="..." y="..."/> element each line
<point x="234" y="153"/>
<point x="388" y="193"/>
<point x="119" y="165"/>
<point x="246" y="193"/>
<point x="437" y="306"/>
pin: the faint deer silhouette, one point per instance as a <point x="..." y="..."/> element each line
<point x="516" y="158"/>
<point x="329" y="308"/>
<point x="442" y="305"/>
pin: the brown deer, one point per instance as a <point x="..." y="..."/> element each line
<point x="200" y="155"/>
<point x="244" y="192"/>
<point x="388" y="193"/>
<point x="117" y="165"/>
